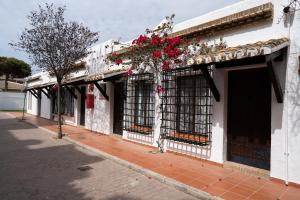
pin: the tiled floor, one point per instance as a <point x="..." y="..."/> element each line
<point x="227" y="183"/>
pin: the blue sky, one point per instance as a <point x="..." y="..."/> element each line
<point x="113" y="19"/>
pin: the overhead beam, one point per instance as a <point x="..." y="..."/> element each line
<point x="102" y="91"/>
<point x="33" y="93"/>
<point x="37" y="94"/>
<point x="45" y="93"/>
<point x="274" y="79"/>
<point x="49" y="91"/>
<point x="71" y="91"/>
<point x="210" y="82"/>
<point x="80" y="90"/>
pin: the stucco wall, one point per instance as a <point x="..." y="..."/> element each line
<point x="100" y="119"/>
<point x="32" y="106"/>
<point x="45" y="106"/>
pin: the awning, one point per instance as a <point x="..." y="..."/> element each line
<point x="239" y="52"/>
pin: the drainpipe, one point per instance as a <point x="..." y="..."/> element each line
<point x="286" y="138"/>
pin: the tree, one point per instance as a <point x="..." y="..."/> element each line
<point x="13" y="68"/>
<point x="55" y="45"/>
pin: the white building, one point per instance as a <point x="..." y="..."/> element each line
<point x="244" y="110"/>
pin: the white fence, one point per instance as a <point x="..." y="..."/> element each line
<point x="11" y="100"/>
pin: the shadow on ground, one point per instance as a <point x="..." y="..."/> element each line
<point x="38" y="169"/>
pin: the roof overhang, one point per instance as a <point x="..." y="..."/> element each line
<point x="242" y="52"/>
<point x="267" y="52"/>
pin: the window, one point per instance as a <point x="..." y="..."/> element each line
<point x="191" y="110"/>
<point x="186" y="107"/>
<point x="143" y="104"/>
<point x="139" y="104"/>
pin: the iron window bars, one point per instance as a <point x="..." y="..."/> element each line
<point x="139" y="104"/>
<point x="186" y="107"/>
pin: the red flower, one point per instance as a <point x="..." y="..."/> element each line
<point x="171" y="52"/>
<point x="114" y="54"/>
<point x="166" y="66"/>
<point x="142" y="39"/>
<point x="160" y="89"/>
<point x="129" y="72"/>
<point x="118" y="61"/>
<point x="173" y="41"/>
<point x="156" y="54"/>
<point x="155" y="40"/>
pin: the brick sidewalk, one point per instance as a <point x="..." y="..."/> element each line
<point x="216" y="180"/>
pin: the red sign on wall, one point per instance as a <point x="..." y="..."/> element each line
<point x="90" y="101"/>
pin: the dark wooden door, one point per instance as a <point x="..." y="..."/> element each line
<point x="119" y="96"/>
<point x="82" y="105"/>
<point x="249" y="117"/>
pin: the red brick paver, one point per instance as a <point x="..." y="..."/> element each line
<point x="216" y="180"/>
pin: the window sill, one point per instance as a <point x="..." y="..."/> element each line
<point x="190" y="138"/>
<point x="140" y="129"/>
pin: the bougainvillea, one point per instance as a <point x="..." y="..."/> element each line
<point x="157" y="52"/>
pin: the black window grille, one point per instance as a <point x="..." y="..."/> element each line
<point x="186" y="107"/>
<point x="139" y="104"/>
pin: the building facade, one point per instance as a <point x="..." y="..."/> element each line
<point x="238" y="105"/>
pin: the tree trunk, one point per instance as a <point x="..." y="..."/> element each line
<point x="6" y="82"/>
<point x="157" y="118"/>
<point x="59" y="134"/>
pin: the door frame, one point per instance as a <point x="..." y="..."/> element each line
<point x="226" y="101"/>
<point x="114" y="102"/>
<point x="225" y="116"/>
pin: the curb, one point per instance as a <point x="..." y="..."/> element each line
<point x="163" y="179"/>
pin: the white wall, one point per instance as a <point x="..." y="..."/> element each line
<point x="100" y="119"/>
<point x="45" y="106"/>
<point x="285" y="117"/>
<point x="33" y="109"/>
<point x="11" y="100"/>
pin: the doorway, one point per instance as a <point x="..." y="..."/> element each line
<point x="119" y="97"/>
<point x="82" y="105"/>
<point x="249" y="117"/>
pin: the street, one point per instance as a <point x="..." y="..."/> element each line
<point x="36" y="166"/>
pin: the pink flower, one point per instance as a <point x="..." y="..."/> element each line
<point x="166" y="66"/>
<point x="156" y="54"/>
<point x="160" y="89"/>
<point x="129" y="72"/>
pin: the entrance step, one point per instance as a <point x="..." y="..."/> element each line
<point x="262" y="173"/>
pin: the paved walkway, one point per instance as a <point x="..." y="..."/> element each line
<point x="34" y="166"/>
<point x="226" y="183"/>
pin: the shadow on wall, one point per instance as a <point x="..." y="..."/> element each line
<point x="37" y="169"/>
<point x="294" y="104"/>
